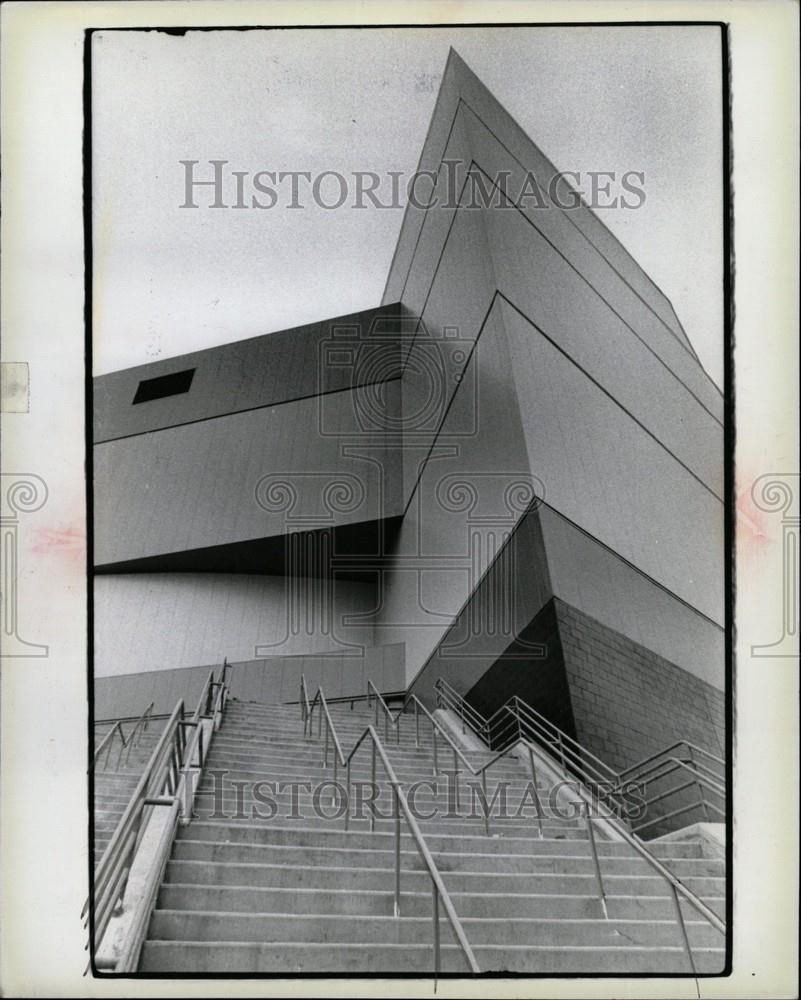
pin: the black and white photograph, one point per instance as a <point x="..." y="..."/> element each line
<point x="409" y="551"/>
<point x="409" y="647"/>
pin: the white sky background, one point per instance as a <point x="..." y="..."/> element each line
<point x="170" y="280"/>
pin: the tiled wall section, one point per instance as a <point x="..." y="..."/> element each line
<point x="627" y="701"/>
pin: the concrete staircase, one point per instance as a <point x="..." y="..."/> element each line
<point x="114" y="786"/>
<point x="295" y="893"/>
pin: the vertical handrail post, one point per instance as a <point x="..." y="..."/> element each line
<point x="456" y="778"/>
<point x="435" y="908"/>
<point x="373" y="800"/>
<point x="397" y="851"/>
<point x="416" y="724"/>
<point x="325" y="752"/>
<point x="698" y="784"/>
<point x="123" y="745"/>
<point x="486" y="805"/>
<point x="683" y="928"/>
<point x="434" y="740"/>
<point x="561" y="748"/>
<point x="537" y="805"/>
<point x="347" y="795"/>
<point x="594" y="850"/>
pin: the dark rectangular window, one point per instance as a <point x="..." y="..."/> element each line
<point x="164" y="385"/>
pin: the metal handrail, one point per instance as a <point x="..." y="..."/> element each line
<point x="480" y="772"/>
<point x="140" y="724"/>
<point x="106" y="742"/>
<point x="352" y="699"/>
<point x="165" y="775"/>
<point x="692" y="747"/>
<point x="671" y="764"/>
<point x="461" y="706"/>
<point x="535" y="717"/>
<point x="612" y="786"/>
<point x="615" y="794"/>
<point x="140" y="727"/>
<point x="401" y="806"/>
<point x="677" y="887"/>
<point x="160" y="773"/>
<point x="505" y="713"/>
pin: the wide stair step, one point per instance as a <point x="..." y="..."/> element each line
<point x="279" y="886"/>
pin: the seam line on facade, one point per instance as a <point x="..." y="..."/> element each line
<point x="592" y="537"/>
<point x="247" y="409"/>
<point x="609" y="394"/>
<point x="690" y="350"/>
<point x="517" y="309"/>
<point x="474" y="163"/>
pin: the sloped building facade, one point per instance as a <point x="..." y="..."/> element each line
<point x="509" y="474"/>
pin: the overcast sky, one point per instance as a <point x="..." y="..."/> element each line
<point x="170" y="280"/>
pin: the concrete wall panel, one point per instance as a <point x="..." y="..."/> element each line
<point x="462" y="91"/>
<point x="157" y="621"/>
<point x="552" y="296"/>
<point x="464" y="505"/>
<point x="602" y="472"/>
<point x="582" y="266"/>
<point x="259" y="371"/>
<point x="272" y="680"/>
<point x="599" y="583"/>
<point x="195" y="485"/>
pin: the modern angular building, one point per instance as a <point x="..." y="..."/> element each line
<point x="507" y="479"/>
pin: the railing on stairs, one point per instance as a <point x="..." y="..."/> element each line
<point x="168" y="781"/>
<point x="461" y="763"/>
<point x="671" y="775"/>
<point x="574" y="760"/>
<point x="591" y="808"/>
<point x="370" y="739"/>
<point x="631" y="793"/>
<point x="117" y="734"/>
